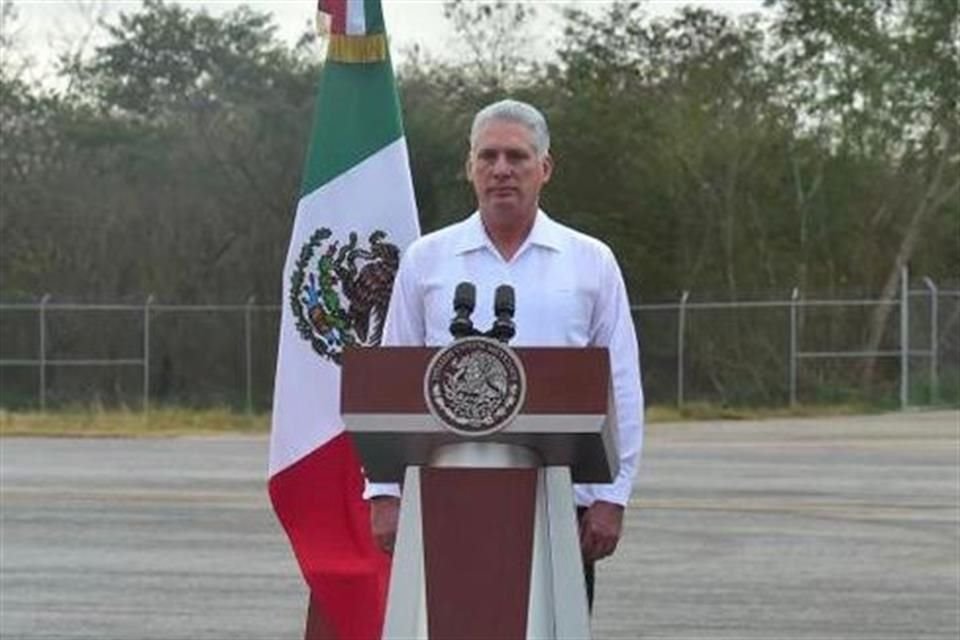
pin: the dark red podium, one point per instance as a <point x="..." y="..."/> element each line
<point x="487" y="545"/>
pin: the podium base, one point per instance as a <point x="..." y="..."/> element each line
<point x="487" y="553"/>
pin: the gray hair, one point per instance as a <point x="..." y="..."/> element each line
<point x="514" y="111"/>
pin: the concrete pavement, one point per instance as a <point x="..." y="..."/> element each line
<point x="839" y="528"/>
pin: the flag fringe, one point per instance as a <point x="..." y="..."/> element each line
<point x="357" y="49"/>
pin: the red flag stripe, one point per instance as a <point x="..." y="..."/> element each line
<point x="317" y="500"/>
<point x="338" y="14"/>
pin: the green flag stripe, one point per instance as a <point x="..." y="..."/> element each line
<point x="357" y="113"/>
<point x="373" y="13"/>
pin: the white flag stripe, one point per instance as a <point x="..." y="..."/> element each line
<point x="375" y="194"/>
<point x="356" y="20"/>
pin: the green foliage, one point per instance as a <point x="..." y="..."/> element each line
<point x="173" y="159"/>
<point x="165" y="58"/>
<point x="814" y="146"/>
<point x="495" y="34"/>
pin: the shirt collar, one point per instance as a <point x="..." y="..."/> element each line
<point x="473" y="236"/>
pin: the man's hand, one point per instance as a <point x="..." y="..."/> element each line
<point x="384" y="514"/>
<point x="600" y="529"/>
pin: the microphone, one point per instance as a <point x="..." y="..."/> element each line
<point x="504" y="307"/>
<point x="464" y="300"/>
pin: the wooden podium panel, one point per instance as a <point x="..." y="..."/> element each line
<point x="559" y="380"/>
<point x="478" y="549"/>
<point x="567" y="416"/>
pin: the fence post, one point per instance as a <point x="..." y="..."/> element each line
<point x="904" y="338"/>
<point x="681" y="326"/>
<point x="792" y="375"/>
<point x="934" y="341"/>
<point x="248" y="339"/>
<point x="43" y="351"/>
<point x="146" y="353"/>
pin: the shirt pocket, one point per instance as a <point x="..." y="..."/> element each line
<point x="557" y="316"/>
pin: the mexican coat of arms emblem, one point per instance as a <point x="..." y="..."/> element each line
<point x="475" y="386"/>
<point x="339" y="291"/>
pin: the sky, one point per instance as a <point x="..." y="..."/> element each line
<point x="44" y="28"/>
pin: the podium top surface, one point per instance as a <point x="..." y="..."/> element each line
<point x="566" y="418"/>
<point x="560" y="380"/>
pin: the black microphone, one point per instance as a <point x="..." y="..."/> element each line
<point x="464" y="300"/>
<point x="504" y="307"/>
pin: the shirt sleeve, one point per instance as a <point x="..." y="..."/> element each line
<point x="403" y="327"/>
<point x="613" y="328"/>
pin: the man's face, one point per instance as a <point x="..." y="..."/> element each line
<point x="505" y="171"/>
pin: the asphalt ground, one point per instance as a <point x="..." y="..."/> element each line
<point x="827" y="528"/>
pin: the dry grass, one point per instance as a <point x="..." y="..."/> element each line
<point x="98" y="422"/>
<point x="95" y="422"/>
<point x="699" y="411"/>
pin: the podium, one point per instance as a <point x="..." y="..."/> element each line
<point x="487" y="544"/>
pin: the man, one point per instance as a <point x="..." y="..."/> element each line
<point x="569" y="292"/>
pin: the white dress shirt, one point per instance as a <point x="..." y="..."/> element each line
<point x="569" y="292"/>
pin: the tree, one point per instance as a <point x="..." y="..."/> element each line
<point x="685" y="145"/>
<point x="498" y="37"/>
<point x="170" y="166"/>
<point x="883" y="77"/>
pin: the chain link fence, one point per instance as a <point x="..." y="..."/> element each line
<point x="801" y="350"/>
<point x="796" y="350"/>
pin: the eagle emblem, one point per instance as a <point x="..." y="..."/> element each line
<point x="475" y="386"/>
<point x="339" y="292"/>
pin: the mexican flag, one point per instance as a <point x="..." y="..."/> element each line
<point x="355" y="216"/>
